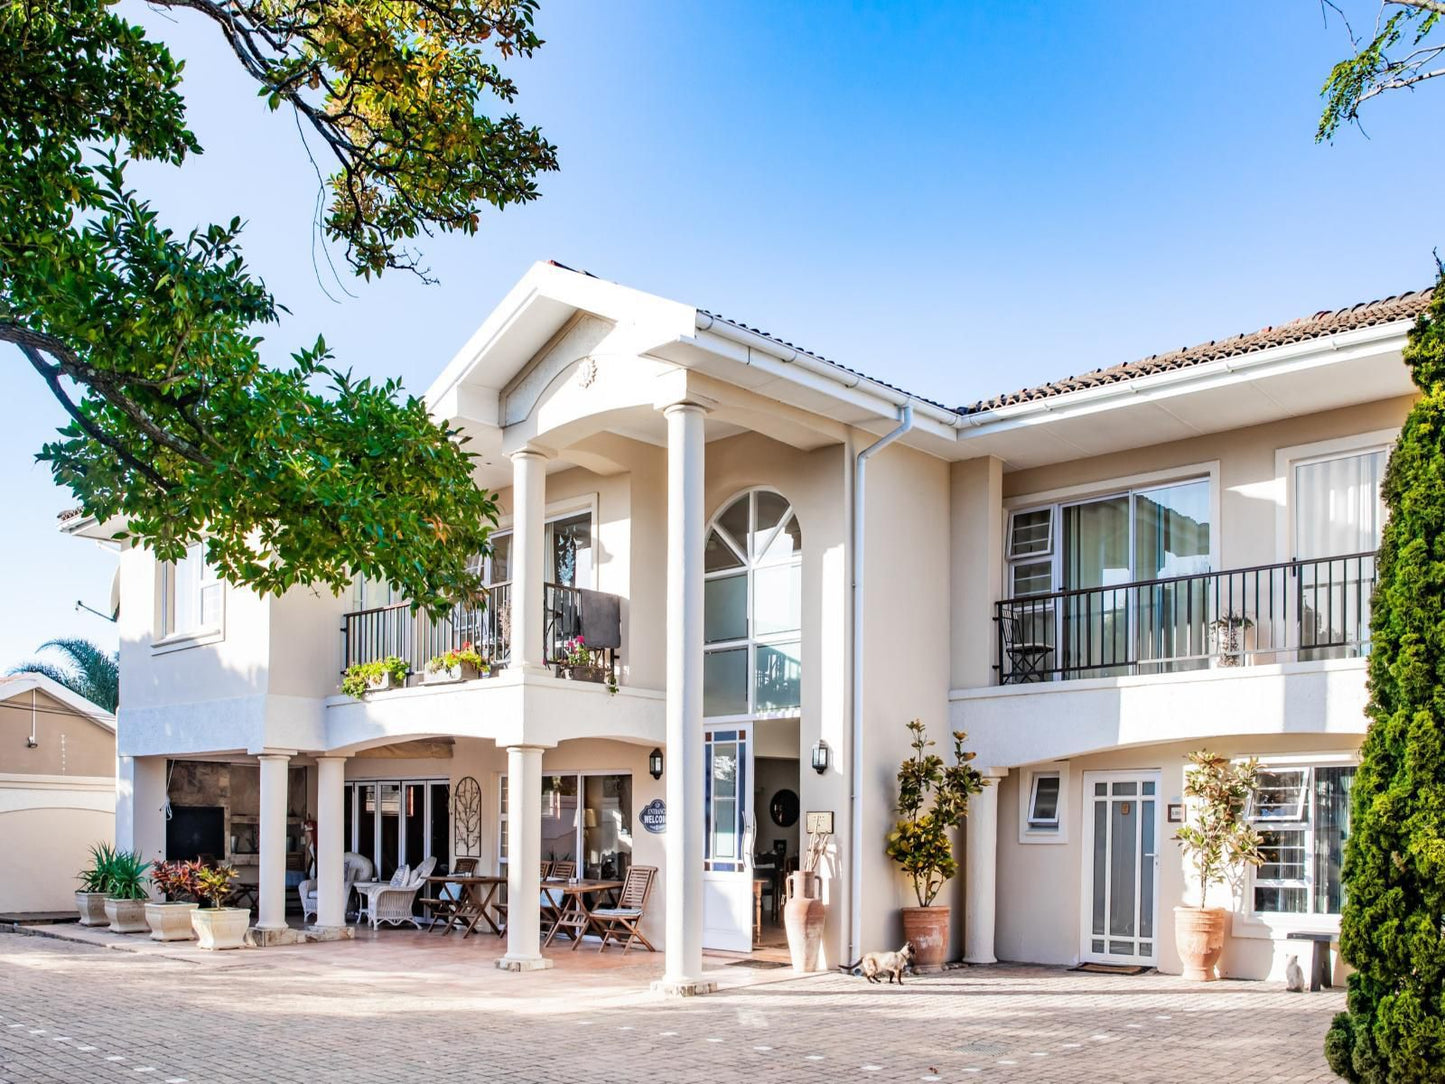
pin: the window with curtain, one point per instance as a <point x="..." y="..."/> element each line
<point x="1303" y="815"/>
<point x="753" y="608"/>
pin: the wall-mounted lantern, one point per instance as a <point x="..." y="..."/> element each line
<point x="820" y="756"/>
<point x="654" y="764"/>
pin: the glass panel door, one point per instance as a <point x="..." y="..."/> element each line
<point x="1171" y="538"/>
<point x="366" y="820"/>
<point x="413" y="823"/>
<point x="559" y="818"/>
<point x="569" y="551"/>
<point x="1338" y="512"/>
<point x="388" y="855"/>
<point x="1096" y="554"/>
<point x="729" y="828"/>
<point x="607" y="826"/>
<point x="1121" y="826"/>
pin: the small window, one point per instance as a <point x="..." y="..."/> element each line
<point x="1280" y="795"/>
<point x="1044" y="802"/>
<point x="190" y="593"/>
<point x="1031" y="578"/>
<point x="1031" y="533"/>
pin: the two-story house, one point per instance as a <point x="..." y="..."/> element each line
<point x="782" y="561"/>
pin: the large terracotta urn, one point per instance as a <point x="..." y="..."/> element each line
<point x="1199" y="938"/>
<point x="803" y="919"/>
<point x="926" y="928"/>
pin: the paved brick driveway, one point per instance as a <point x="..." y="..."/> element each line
<point x="71" y="1012"/>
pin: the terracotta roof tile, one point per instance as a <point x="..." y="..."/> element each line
<point x="69" y="514"/>
<point x="1405" y="306"/>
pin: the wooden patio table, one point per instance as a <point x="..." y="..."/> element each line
<point x="573" y="912"/>
<point x="478" y="892"/>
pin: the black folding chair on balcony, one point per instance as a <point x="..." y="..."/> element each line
<point x="1027" y="659"/>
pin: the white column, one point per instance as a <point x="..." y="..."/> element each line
<point x="980" y="864"/>
<point x="524" y="860"/>
<point x="271" y="894"/>
<point x="529" y="506"/>
<point x="682" y="973"/>
<point x="140" y="806"/>
<point x="330" y="844"/>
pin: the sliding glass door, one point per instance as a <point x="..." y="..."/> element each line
<point x="397" y="822"/>
<point x="1339" y="512"/>
<point x="587" y="819"/>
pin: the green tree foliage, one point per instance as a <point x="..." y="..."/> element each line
<point x="932" y="801"/>
<point x="293" y="471"/>
<point x="1218" y="839"/>
<point x="1399" y="54"/>
<point x="89" y="671"/>
<point x="1393" y="926"/>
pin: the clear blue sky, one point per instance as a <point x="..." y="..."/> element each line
<point x="959" y="198"/>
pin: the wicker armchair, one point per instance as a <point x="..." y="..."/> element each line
<point x="356" y="867"/>
<point x="393" y="904"/>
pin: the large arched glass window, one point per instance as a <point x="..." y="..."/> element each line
<point x="753" y="609"/>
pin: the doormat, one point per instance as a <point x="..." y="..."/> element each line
<point x="1113" y="969"/>
<point x="761" y="965"/>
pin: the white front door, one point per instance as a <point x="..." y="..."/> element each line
<point x="1121" y="868"/>
<point x="727" y="879"/>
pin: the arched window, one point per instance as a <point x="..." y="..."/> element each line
<point x="753" y="609"/>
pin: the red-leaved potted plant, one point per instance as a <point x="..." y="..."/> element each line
<point x="170" y="917"/>
<point x="218" y="926"/>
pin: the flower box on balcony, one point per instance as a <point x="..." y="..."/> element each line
<point x="598" y="674"/>
<point x="453" y="666"/>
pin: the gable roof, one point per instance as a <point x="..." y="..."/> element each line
<point x="1406" y="306"/>
<point x="13" y="685"/>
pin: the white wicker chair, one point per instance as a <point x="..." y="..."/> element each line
<point x="356" y="867"/>
<point x="393" y="904"/>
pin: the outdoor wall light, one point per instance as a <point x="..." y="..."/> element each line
<point x="820" y="757"/>
<point x="654" y="764"/>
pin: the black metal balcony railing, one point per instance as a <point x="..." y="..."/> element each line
<point x="1287" y="612"/>
<point x="384" y="631"/>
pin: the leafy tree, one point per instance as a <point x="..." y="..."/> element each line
<point x="1381" y="62"/>
<point x="932" y="801"/>
<point x="294" y="472"/>
<point x="1219" y="839"/>
<point x="1392" y="930"/>
<point x="90" y="671"/>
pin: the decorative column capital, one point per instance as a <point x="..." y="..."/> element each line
<point x="530" y="452"/>
<point x="693" y="404"/>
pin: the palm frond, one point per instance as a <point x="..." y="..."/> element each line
<point x="94" y="672"/>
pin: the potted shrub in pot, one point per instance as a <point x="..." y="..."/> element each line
<point x="369" y="677"/>
<point x="126" y="894"/>
<point x="1227" y="633"/>
<point x="170" y="918"/>
<point x="458" y="664"/>
<point x="932" y="801"/>
<point x="582" y="663"/>
<point x="94" y="878"/>
<point x="1216" y="840"/>
<point x="218" y="926"/>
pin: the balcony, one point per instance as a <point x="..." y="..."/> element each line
<point x="367" y="635"/>
<point x="1294" y="611"/>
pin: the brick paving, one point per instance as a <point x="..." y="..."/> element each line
<point x="364" y="1011"/>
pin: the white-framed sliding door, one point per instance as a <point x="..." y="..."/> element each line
<point x="727" y="877"/>
<point x="1120" y="921"/>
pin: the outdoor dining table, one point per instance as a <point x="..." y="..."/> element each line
<point x="473" y="906"/>
<point x="574" y="913"/>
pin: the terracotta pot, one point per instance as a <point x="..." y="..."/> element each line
<point x="91" y="906"/>
<point x="221" y="927"/>
<point x="127" y="916"/>
<point x="803" y="919"/>
<point x="926" y="928"/>
<point x="170" y="921"/>
<point x="1199" y="939"/>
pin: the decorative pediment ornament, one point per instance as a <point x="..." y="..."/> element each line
<point x="586" y="372"/>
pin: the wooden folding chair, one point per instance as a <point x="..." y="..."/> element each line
<point x="562" y="870"/>
<point x="448" y="910"/>
<point x="620" y="923"/>
<point x="501" y="908"/>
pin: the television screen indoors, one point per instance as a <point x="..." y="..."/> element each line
<point x="196" y="831"/>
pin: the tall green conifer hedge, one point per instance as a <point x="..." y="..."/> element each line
<point x="1393" y="926"/>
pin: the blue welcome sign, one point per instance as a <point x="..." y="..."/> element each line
<point x="654" y="816"/>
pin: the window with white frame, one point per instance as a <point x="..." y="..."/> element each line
<point x="190" y="595"/>
<point x="1044" y="801"/>
<point x="1302" y="812"/>
<point x="502" y="825"/>
<point x="1031" y="552"/>
<point x="753" y="609"/>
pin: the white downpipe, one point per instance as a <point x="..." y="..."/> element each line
<point x="855" y="737"/>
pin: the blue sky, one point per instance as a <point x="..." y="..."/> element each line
<point x="959" y="198"/>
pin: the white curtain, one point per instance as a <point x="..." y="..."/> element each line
<point x="1338" y="509"/>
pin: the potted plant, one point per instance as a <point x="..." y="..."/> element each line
<point x="458" y="664"/>
<point x="932" y="801"/>
<point x="218" y="926"/>
<point x="1227" y="634"/>
<point x="170" y="918"/>
<point x="369" y="677"/>
<point x="1216" y="840"/>
<point x="90" y="896"/>
<point x="125" y="893"/>
<point x="582" y="663"/>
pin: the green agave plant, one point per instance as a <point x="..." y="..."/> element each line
<point x="95" y="876"/>
<point x="127" y="880"/>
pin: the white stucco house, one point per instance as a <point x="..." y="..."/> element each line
<point x="1092" y="578"/>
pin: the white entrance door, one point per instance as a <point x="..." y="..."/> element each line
<point x="727" y="887"/>
<point x="1121" y="867"/>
